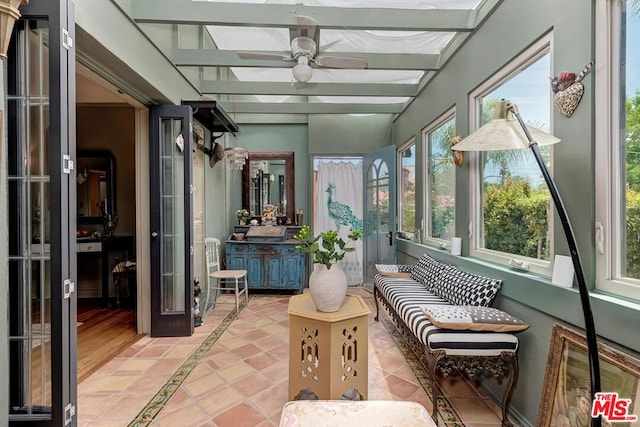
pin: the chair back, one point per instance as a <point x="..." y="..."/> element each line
<point x="212" y="254"/>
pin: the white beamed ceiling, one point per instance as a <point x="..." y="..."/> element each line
<point x="404" y="43"/>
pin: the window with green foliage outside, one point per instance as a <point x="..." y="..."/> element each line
<point x="617" y="118"/>
<point x="441" y="178"/>
<point x="515" y="197"/>
<point x="630" y="123"/>
<point x="408" y="188"/>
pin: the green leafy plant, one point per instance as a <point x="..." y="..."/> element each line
<point x="327" y="248"/>
<point x="243" y="215"/>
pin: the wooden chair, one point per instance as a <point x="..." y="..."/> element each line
<point x="125" y="269"/>
<point x="217" y="279"/>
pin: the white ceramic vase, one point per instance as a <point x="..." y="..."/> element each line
<point x="328" y="287"/>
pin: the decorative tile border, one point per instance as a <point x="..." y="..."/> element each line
<point x="166" y="392"/>
<point x="151" y="410"/>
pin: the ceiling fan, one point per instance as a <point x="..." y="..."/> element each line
<point x="305" y="53"/>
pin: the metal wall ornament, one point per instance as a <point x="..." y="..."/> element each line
<point x="568" y="90"/>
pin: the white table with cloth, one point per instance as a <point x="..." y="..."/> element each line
<point x="344" y="413"/>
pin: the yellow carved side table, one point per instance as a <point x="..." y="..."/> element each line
<point x="328" y="351"/>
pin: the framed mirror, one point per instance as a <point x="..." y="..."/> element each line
<point x="268" y="178"/>
<point x="95" y="178"/>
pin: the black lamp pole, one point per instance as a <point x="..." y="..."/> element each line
<point x="590" y="330"/>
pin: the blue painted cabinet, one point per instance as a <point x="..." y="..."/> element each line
<point x="271" y="263"/>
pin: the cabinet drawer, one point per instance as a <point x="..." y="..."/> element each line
<point x="90" y="247"/>
<point x="237" y="248"/>
<point x="265" y="249"/>
<point x="291" y="249"/>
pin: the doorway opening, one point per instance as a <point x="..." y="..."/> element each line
<point x="106" y="251"/>
<point x="338" y="205"/>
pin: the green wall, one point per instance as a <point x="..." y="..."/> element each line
<point x="502" y="37"/>
<point x="344" y="134"/>
<point x="217" y="196"/>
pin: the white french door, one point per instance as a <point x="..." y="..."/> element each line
<point x="379" y="175"/>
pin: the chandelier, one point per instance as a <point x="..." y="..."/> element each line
<point x="236" y="156"/>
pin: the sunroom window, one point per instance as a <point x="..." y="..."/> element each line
<point x="440" y="178"/>
<point x="407" y="199"/>
<point x="618" y="141"/>
<point x="512" y="202"/>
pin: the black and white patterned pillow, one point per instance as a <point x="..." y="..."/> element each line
<point x="472" y="318"/>
<point x="463" y="288"/>
<point x="427" y="271"/>
<point x="394" y="270"/>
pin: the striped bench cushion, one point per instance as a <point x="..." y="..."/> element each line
<point x="406" y="296"/>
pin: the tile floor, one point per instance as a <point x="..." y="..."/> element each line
<point x="242" y="379"/>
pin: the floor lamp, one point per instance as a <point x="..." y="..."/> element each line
<point x="503" y="133"/>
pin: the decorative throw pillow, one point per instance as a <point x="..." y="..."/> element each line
<point x="427" y="271"/>
<point x="462" y="288"/>
<point x="394" y="270"/>
<point x="472" y="318"/>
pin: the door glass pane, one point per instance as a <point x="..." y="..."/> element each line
<point x="29" y="225"/>
<point x="173" y="213"/>
<point x="381" y="195"/>
<point x="382" y="201"/>
<point x="40" y="326"/>
<point x="378" y="210"/>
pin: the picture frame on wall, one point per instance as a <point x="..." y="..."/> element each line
<point x="566" y="390"/>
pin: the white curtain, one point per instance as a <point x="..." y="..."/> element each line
<point x="339" y="207"/>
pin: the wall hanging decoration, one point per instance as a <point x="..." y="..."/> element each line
<point x="458" y="157"/>
<point x="568" y="90"/>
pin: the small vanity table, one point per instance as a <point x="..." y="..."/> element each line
<point x="105" y="248"/>
<point x="96" y="191"/>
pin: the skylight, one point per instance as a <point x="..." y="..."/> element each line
<point x="383" y="54"/>
<point x="388" y="4"/>
<point x="325" y="75"/>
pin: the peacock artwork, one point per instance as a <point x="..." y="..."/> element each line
<point x="341" y="213"/>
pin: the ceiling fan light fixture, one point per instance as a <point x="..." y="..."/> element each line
<point x="302" y="71"/>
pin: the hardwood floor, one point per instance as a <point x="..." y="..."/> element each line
<point x="102" y="335"/>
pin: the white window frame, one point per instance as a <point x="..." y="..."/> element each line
<point x="538" y="49"/>
<point x="426" y="202"/>
<point x="403" y="147"/>
<point x="608" y="230"/>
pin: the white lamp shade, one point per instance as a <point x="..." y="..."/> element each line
<point x="503" y="134"/>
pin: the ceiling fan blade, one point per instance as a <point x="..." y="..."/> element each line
<point x="306" y="27"/>
<point x="324" y="47"/>
<point x="340" y="62"/>
<point x="264" y="55"/>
